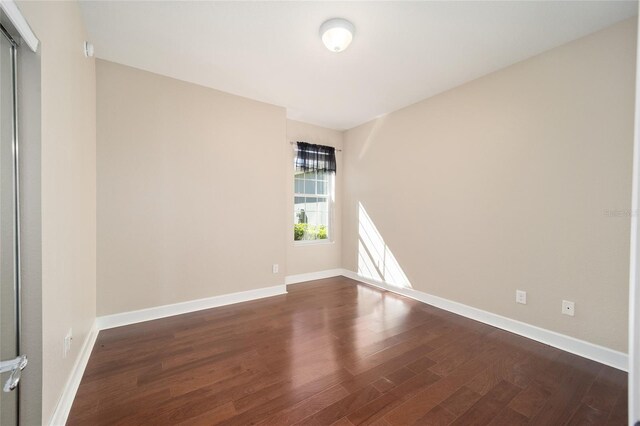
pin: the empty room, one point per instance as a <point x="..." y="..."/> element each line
<point x="319" y="213"/>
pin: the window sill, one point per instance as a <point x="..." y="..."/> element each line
<point x="302" y="243"/>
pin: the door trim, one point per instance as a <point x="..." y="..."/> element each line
<point x="21" y="25"/>
<point x="634" y="261"/>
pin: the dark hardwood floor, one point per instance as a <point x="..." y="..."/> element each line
<point x="338" y="352"/>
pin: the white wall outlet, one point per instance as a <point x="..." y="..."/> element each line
<point x="66" y="344"/>
<point x="275" y="268"/>
<point x="568" y="308"/>
<point x="521" y="297"/>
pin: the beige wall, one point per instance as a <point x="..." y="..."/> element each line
<point x="68" y="189"/>
<point x="503" y="183"/>
<point x="313" y="257"/>
<point x="190" y="199"/>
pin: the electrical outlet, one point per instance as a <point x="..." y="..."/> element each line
<point x="521" y="297"/>
<point x="275" y="268"/>
<point x="66" y="343"/>
<point x="568" y="308"/>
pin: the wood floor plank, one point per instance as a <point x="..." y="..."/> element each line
<point x="370" y="376"/>
<point x="308" y="407"/>
<point x="618" y="415"/>
<point x="383" y="384"/>
<point x="437" y="416"/>
<point x="211" y="417"/>
<point x="420" y="404"/>
<point x="380" y="422"/>
<point x="586" y="415"/>
<point x="461" y="401"/>
<point x="509" y="417"/>
<point x="195" y="403"/>
<point x="530" y="400"/>
<point x="379" y="407"/>
<point x="394" y="379"/>
<point x="489" y="406"/>
<point x="118" y="412"/>
<point x="605" y="390"/>
<point x="271" y="405"/>
<point x="572" y="387"/>
<point x="374" y="410"/>
<point x="335" y="351"/>
<point x="342" y="422"/>
<point x="347" y="405"/>
<point x="421" y="365"/>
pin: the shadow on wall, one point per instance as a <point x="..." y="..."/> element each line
<point x="375" y="260"/>
<point x="371" y="137"/>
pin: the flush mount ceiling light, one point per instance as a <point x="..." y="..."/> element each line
<point x="337" y="34"/>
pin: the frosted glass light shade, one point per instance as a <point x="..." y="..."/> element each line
<point x="337" y="34"/>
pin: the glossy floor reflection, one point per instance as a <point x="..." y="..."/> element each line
<point x="338" y="352"/>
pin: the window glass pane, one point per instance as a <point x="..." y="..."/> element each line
<point x="323" y="205"/>
<point x="312" y="206"/>
<point x="311" y="212"/>
<point x="309" y="187"/>
<point x="298" y="208"/>
<point x="322" y="218"/>
<point x="313" y="218"/>
<point x="302" y="217"/>
<point x="323" y="231"/>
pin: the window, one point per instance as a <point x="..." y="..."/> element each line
<point x="311" y="206"/>
<point x="313" y="192"/>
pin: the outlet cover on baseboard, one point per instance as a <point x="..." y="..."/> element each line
<point x="521" y="297"/>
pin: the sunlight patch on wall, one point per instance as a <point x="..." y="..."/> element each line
<point x="375" y="260"/>
<point x="372" y="135"/>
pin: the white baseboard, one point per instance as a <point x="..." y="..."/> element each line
<point x="310" y="276"/>
<point x="579" y="347"/>
<point x="132" y="317"/>
<point x="61" y="413"/>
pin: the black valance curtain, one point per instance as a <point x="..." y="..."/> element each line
<point x="318" y="158"/>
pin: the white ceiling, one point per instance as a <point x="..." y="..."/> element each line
<point x="402" y="51"/>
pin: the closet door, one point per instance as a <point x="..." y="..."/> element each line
<point x="12" y="362"/>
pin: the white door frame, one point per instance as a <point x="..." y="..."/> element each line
<point x="634" y="283"/>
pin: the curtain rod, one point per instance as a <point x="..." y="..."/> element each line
<point x="293" y="143"/>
